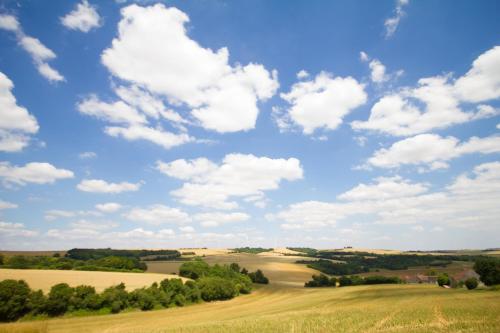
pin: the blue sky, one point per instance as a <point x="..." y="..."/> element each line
<point x="267" y="123"/>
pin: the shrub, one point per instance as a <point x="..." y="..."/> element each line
<point x="471" y="283"/>
<point x="216" y="288"/>
<point x="321" y="281"/>
<point x="375" y="279"/>
<point x="345" y="281"/>
<point x="258" y="277"/>
<point x="59" y="299"/>
<point x="194" y="269"/>
<point x="443" y="280"/>
<point x="488" y="270"/>
<point x="37" y="302"/>
<point x="13" y="299"/>
<point x="85" y="297"/>
<point x="116" y="307"/>
<point x="115" y="295"/>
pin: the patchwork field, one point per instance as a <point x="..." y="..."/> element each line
<point x="44" y="279"/>
<point x="280" y="269"/>
<point x="390" y="308"/>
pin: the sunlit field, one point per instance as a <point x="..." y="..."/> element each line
<point x="399" y="308"/>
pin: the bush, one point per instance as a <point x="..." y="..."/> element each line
<point x="14" y="297"/>
<point x="471" y="283"/>
<point x="59" y="299"/>
<point x="116" y="295"/>
<point x="443" y="280"/>
<point x="85" y="297"/>
<point x="321" y="281"/>
<point x="258" y="277"/>
<point x="194" y="269"/>
<point x="375" y="279"/>
<point x="488" y="270"/>
<point x="216" y="288"/>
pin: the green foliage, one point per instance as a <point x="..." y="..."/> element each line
<point x="321" y="281"/>
<point x="14" y="299"/>
<point x="355" y="280"/>
<point x="306" y="250"/>
<point x="59" y="299"/>
<point x="443" y="280"/>
<point x="471" y="283"/>
<point x="88" y="254"/>
<point x="258" y="277"/>
<point x="332" y="268"/>
<point x="194" y="269"/>
<point x="115" y="296"/>
<point x="488" y="270"/>
<point x="1" y="259"/>
<point x="253" y="250"/>
<point x="216" y="288"/>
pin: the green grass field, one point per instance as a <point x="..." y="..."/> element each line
<point x="389" y="308"/>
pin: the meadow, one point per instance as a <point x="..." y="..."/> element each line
<point x="387" y="308"/>
<point x="286" y="306"/>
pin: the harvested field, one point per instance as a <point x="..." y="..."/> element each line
<point x="45" y="279"/>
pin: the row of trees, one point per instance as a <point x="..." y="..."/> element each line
<point x="89" y="254"/>
<point x="353" y="280"/>
<point x="111" y="263"/>
<point x="18" y="300"/>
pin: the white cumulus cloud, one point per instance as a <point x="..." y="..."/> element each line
<point x="84" y="18"/>
<point x="33" y="172"/>
<point x="158" y="214"/>
<point x="102" y="186"/>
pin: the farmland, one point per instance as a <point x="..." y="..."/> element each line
<point x="44" y="279"/>
<point x="408" y="308"/>
<point x="283" y="305"/>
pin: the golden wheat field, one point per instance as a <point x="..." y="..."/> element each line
<point x="395" y="308"/>
<point x="44" y="279"/>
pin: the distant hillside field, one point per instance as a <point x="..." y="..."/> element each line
<point x="45" y="279"/>
<point x="387" y="308"/>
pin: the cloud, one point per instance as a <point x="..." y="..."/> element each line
<point x="8" y="230"/>
<point x="54" y="214"/>
<point x="34" y="172"/>
<point x="384" y="188"/>
<point x="16" y="123"/>
<point x="101" y="186"/>
<point x="158" y="214"/>
<point x="156" y="135"/>
<point x="467" y="202"/>
<point x="401" y="114"/>
<point x="38" y="51"/>
<point x="118" y="112"/>
<point x="392" y="23"/>
<point x="87" y="155"/>
<point x="215" y="219"/>
<point x="482" y="82"/>
<point x="109" y="207"/>
<point x="214" y="185"/>
<point x="302" y="74"/>
<point x="84" y="18"/>
<point x="187" y="229"/>
<point x="7" y="205"/>
<point x="431" y="150"/>
<point x="92" y="225"/>
<point x="323" y="102"/>
<point x="169" y="63"/>
<point x="378" y="74"/>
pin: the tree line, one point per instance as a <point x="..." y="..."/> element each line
<point x="322" y="280"/>
<point x="210" y="283"/>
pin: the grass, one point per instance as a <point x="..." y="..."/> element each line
<point x="45" y="279"/>
<point x="399" y="308"/>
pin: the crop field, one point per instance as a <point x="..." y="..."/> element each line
<point x="389" y="308"/>
<point x="44" y="279"/>
<point x="279" y="269"/>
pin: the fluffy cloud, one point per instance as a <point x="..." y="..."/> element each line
<point x="118" y="112"/>
<point x="215" y="219"/>
<point x="391" y="24"/>
<point x="211" y="185"/>
<point x="401" y="113"/>
<point x="158" y="214"/>
<point x="38" y="52"/>
<point x="153" y="51"/>
<point x="55" y="214"/>
<point x="466" y="202"/>
<point x="16" y="123"/>
<point x="384" y="188"/>
<point x="34" y="172"/>
<point x="323" y="101"/>
<point x="101" y="186"/>
<point x="84" y="18"/>
<point x="109" y="207"/>
<point x="431" y="150"/>
<point x="8" y="229"/>
<point x="7" y="205"/>
<point x="482" y="81"/>
<point x="156" y="135"/>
